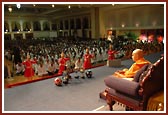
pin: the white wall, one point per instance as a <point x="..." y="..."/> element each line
<point x="53" y="34"/>
<point x="79" y="33"/>
<point x="147" y="16"/>
<point x="38" y="34"/>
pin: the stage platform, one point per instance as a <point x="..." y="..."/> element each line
<point x="78" y="95"/>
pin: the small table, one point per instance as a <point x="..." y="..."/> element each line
<point x="114" y="63"/>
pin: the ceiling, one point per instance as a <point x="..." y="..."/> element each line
<point x="47" y="9"/>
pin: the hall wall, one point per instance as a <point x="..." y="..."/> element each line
<point x="100" y="20"/>
<point x="134" y="18"/>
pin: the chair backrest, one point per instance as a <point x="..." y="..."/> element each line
<point x="152" y="80"/>
<point x="140" y="72"/>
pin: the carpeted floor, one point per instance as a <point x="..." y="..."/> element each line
<point x="78" y="95"/>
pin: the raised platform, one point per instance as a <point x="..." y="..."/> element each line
<point x="114" y="63"/>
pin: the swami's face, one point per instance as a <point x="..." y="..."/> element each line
<point x="135" y="56"/>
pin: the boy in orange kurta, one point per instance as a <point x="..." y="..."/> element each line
<point x="140" y="61"/>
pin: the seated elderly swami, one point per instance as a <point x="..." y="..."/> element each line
<point x="138" y="58"/>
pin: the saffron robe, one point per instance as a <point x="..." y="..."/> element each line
<point x="128" y="73"/>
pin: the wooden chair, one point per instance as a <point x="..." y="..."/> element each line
<point x="135" y="94"/>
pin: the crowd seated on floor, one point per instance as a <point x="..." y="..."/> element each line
<point x="47" y="52"/>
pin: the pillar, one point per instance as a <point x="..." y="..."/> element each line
<point x="12" y="36"/>
<point x="32" y="28"/>
<point x="102" y="28"/>
<point x="95" y="23"/>
<point x="41" y="25"/>
<point x="10" y="26"/>
<point x="50" y="24"/>
<point x="24" y="36"/>
<point x="21" y="26"/>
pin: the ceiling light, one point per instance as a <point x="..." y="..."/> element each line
<point x="69" y="6"/>
<point x="34" y="5"/>
<point x="112" y="4"/>
<point x="53" y="5"/>
<point x="10" y="9"/>
<point x="137" y="24"/>
<point x="18" y="6"/>
<point x="79" y="6"/>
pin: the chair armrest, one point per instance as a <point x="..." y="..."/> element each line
<point x="122" y="85"/>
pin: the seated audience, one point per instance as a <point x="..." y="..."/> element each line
<point x="46" y="64"/>
<point x="56" y="65"/>
<point x="41" y="71"/>
<point x="79" y="68"/>
<point x="52" y="68"/>
<point x="20" y="68"/>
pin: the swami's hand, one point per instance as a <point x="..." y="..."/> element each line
<point x="120" y="71"/>
<point x="119" y="74"/>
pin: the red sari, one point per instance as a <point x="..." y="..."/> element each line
<point x="62" y="63"/>
<point x="29" y="72"/>
<point x="87" y="61"/>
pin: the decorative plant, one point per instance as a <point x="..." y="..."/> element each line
<point x="131" y="35"/>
